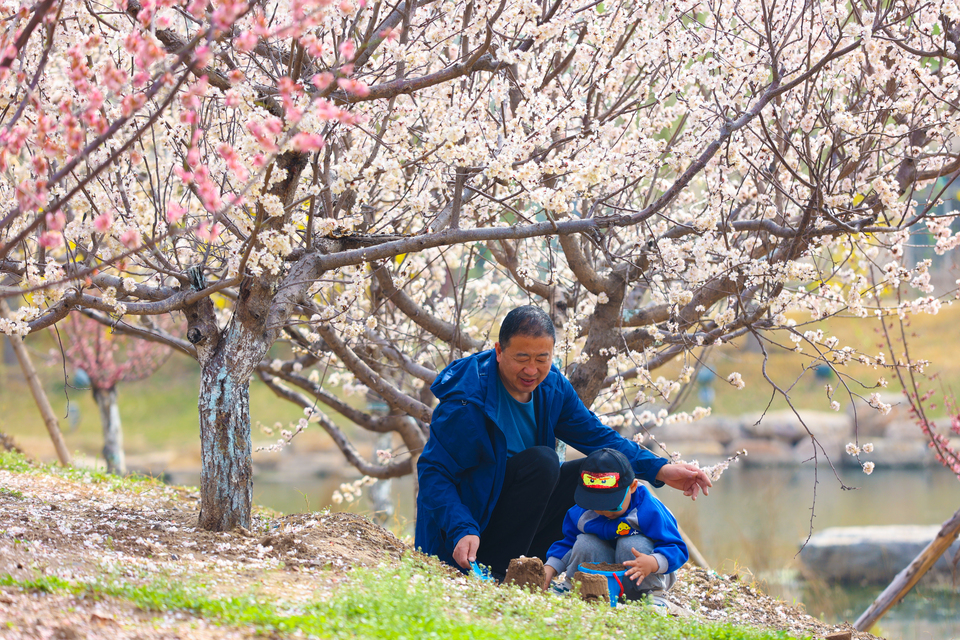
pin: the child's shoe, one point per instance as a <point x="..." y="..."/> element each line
<point x="658" y="601"/>
<point x="560" y="588"/>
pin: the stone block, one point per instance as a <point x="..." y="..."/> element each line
<point x="722" y="429"/>
<point x="833" y="446"/>
<point x="706" y="451"/>
<point x="873" y="424"/>
<point x="873" y="555"/>
<point x="894" y="453"/>
<point x="763" y="453"/>
<point x="787" y="427"/>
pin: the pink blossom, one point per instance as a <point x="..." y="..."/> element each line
<point x="227" y="13"/>
<point x="202" y="55"/>
<point x="185" y="176"/>
<point x="307" y="142"/>
<point x="274" y="125"/>
<point x="140" y="79"/>
<point x="103" y="222"/>
<point x="322" y="80"/>
<point x="130" y="238"/>
<point x="326" y="110"/>
<point x="348" y="48"/>
<point x="353" y="87"/>
<point x="312" y="44"/>
<point x="391" y="34"/>
<point x="245" y="42"/>
<point x="196" y="8"/>
<point x="175" y="213"/>
<point x="50" y="239"/>
<point x="208" y="232"/>
<point x="113" y="77"/>
<point x="133" y="103"/>
<point x="56" y="221"/>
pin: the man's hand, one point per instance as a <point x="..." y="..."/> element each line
<point x="466" y="550"/>
<point x="641" y="566"/>
<point x="685" y="477"/>
<point x="548" y="574"/>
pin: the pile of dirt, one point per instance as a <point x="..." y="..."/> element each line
<point x="592" y="587"/>
<point x="85" y="529"/>
<point x="526" y="572"/>
<point x="604" y="566"/>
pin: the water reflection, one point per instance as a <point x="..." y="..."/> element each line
<point x="752" y="523"/>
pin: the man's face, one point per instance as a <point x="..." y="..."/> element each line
<point x="524" y="362"/>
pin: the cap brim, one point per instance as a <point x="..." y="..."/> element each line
<point x="599" y="500"/>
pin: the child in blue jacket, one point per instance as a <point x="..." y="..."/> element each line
<point x="616" y="520"/>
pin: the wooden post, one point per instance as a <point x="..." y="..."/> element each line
<point x="907" y="578"/>
<point x="30" y="373"/>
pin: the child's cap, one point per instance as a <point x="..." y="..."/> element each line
<point x="605" y="478"/>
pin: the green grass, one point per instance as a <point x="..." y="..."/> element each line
<point x="411" y="600"/>
<point x="928" y="337"/>
<point x="12" y="461"/>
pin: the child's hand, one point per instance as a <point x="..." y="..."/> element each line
<point x="641" y="566"/>
<point x="548" y="575"/>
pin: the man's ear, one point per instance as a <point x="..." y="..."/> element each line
<point x="634" y="485"/>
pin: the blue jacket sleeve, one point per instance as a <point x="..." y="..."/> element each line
<point x="447" y="454"/>
<point x="657" y="523"/>
<point x="581" y="429"/>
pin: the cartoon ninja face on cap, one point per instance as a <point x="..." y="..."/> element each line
<point x="605" y="479"/>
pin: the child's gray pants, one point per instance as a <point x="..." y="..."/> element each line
<point x="590" y="548"/>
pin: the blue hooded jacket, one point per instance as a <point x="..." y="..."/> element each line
<point x="463" y="464"/>
<point x="646" y="516"/>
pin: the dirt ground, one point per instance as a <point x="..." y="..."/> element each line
<point x="50" y="525"/>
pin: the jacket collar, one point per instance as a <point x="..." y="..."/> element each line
<point x="489" y="375"/>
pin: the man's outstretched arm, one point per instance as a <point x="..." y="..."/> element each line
<point x="685" y="477"/>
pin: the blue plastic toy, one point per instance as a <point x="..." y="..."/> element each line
<point x="615" y="580"/>
<point x="480" y="572"/>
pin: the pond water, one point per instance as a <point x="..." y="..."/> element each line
<point x="753" y="524"/>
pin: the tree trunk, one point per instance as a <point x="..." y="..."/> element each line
<point x="226" y="474"/>
<point x="112" y="430"/>
<point x="228" y="359"/>
<point x="39" y="396"/>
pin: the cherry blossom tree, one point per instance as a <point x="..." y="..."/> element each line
<point x="372" y="184"/>
<point x="108" y="360"/>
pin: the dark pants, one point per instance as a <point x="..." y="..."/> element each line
<point x="537" y="493"/>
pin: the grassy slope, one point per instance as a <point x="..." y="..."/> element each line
<point x="413" y="598"/>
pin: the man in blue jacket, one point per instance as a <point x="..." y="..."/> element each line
<point x="489" y="470"/>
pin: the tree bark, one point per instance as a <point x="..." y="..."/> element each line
<point x="226" y="473"/>
<point x="228" y="358"/>
<point x="112" y="430"/>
